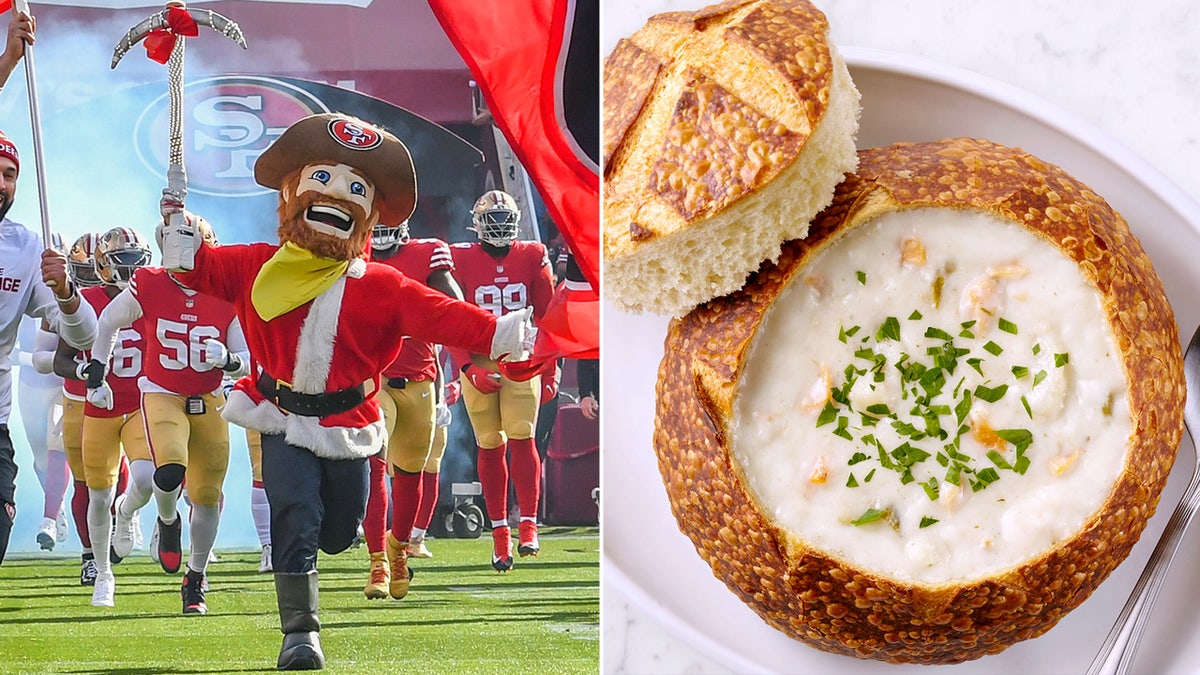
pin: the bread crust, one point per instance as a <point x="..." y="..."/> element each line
<point x="828" y="603"/>
<point x="701" y="111"/>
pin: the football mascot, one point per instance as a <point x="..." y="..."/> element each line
<point x="322" y="323"/>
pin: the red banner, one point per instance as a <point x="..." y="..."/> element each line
<point x="515" y="52"/>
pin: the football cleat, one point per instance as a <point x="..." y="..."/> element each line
<point x="124" y="535"/>
<point x="401" y="574"/>
<point x="170" y="555"/>
<point x="87" y="570"/>
<point x="502" y="560"/>
<point x="47" y="536"/>
<point x="528" y="539"/>
<point x="417" y="548"/>
<point x="192" y="592"/>
<point x="264" y="564"/>
<point x="377" y="583"/>
<point x="60" y="526"/>
<point x="106" y="586"/>
<point x="154" y="543"/>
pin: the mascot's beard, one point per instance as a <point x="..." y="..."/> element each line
<point x="293" y="228"/>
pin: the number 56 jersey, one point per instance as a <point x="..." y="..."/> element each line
<point x="177" y="324"/>
<point x="521" y="278"/>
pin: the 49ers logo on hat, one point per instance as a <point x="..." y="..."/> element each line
<point x="353" y="135"/>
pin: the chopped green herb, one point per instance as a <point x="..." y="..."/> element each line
<point x="926" y="521"/>
<point x="1006" y="326"/>
<point x="1060" y="360"/>
<point x="991" y="394"/>
<point x="1019" y="371"/>
<point x="870" y="475"/>
<point x="915" y="316"/>
<point x="1037" y="379"/>
<point x="861" y="276"/>
<point x="828" y="414"/>
<point x="931" y="488"/>
<point x="869" y="516"/>
<point x="993" y="348"/>
<point x="856" y="458"/>
<point x="890" y="330"/>
<point x="1021" y="438"/>
<point x="1037" y="349"/>
<point x="937" y="334"/>
<point x="851" y="482"/>
<point x="975" y="363"/>
<point x="1025" y="404"/>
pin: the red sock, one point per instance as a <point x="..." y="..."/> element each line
<point x="406" y="494"/>
<point x="79" y="507"/>
<point x="526" y="474"/>
<point x="374" y="525"/>
<point x="429" y="498"/>
<point x="493" y="476"/>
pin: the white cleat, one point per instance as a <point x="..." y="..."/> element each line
<point x="265" y="565"/>
<point x="125" y="533"/>
<point x="106" y="586"/>
<point x="137" y="531"/>
<point x="417" y="548"/>
<point x="60" y="526"/>
<point x="47" y="536"/>
<point x="154" y="545"/>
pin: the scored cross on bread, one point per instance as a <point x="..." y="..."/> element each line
<point x="725" y="132"/>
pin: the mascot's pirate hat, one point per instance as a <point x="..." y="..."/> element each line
<point x="343" y="139"/>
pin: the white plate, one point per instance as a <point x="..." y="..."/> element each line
<point x="650" y="563"/>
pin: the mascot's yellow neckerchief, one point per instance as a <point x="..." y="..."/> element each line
<point x="292" y="277"/>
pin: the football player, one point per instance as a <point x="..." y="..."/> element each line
<point x="409" y="400"/>
<point x="114" y="424"/>
<point x="81" y="265"/>
<point x="500" y="274"/>
<point x="187" y="357"/>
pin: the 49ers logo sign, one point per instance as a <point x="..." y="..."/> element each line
<point x="354" y="136"/>
<point x="228" y="122"/>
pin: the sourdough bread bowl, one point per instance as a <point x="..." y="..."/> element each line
<point x="725" y="132"/>
<point x="1059" y="419"/>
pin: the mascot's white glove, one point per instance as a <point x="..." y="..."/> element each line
<point x="101" y="397"/>
<point x="514" y="337"/>
<point x="443" y="416"/>
<point x="176" y="235"/>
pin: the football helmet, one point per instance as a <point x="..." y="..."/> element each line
<point x="120" y="253"/>
<point x="81" y="260"/>
<point x="384" y="237"/>
<point x="494" y="218"/>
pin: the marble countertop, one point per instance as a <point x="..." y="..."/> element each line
<point x="1132" y="74"/>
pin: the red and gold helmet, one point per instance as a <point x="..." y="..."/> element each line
<point x="81" y="260"/>
<point x="120" y="253"/>
<point x="494" y="218"/>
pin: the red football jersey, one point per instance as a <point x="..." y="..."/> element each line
<point x="417" y="260"/>
<point x="124" y="366"/>
<point x="521" y="278"/>
<point x="179" y="324"/>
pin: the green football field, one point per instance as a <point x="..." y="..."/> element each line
<point x="459" y="617"/>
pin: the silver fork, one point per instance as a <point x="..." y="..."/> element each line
<point x="1116" y="654"/>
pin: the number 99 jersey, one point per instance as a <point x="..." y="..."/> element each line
<point x="519" y="279"/>
<point x="177" y="324"/>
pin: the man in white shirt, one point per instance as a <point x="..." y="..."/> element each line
<point x="34" y="283"/>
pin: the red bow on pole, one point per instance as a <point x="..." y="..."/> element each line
<point x="161" y="41"/>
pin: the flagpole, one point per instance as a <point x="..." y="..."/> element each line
<point x="35" y="119"/>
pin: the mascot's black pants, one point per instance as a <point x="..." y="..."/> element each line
<point x="8" y="489"/>
<point x="315" y="503"/>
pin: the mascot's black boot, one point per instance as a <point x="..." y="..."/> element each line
<point x="298" y="606"/>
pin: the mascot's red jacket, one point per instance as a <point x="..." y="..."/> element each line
<point x="332" y="353"/>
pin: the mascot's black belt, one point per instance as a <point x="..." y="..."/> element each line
<point x="310" y="405"/>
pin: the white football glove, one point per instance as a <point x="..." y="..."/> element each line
<point x="514" y="336"/>
<point x="176" y="235"/>
<point x="101" y="397"/>
<point x="216" y="353"/>
<point x="443" y="416"/>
